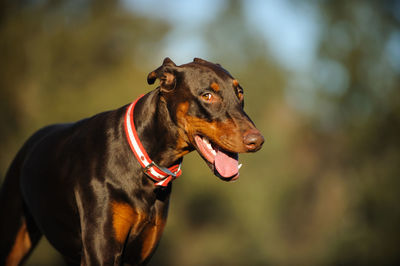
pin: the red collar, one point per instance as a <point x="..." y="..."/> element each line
<point x="160" y="175"/>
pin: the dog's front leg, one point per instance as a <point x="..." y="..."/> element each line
<point x="105" y="228"/>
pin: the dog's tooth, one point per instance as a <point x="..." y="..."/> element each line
<point x="240" y="165"/>
<point x="213" y="152"/>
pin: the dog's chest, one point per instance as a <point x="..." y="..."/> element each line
<point x="140" y="230"/>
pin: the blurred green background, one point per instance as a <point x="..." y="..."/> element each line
<point x="322" y="83"/>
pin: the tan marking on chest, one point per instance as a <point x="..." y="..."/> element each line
<point x="151" y="236"/>
<point x="21" y="246"/>
<point x="124" y="218"/>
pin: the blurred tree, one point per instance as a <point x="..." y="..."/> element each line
<point x="52" y="50"/>
<point x="361" y="115"/>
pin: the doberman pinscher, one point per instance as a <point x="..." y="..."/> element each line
<point x="91" y="188"/>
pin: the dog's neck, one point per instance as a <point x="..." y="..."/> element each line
<point x="156" y="130"/>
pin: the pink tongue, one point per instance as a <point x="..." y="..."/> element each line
<point x="226" y="165"/>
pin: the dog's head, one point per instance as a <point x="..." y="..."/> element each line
<point x="206" y="103"/>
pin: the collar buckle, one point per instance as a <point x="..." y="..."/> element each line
<point x="163" y="169"/>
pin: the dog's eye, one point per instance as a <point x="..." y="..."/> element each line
<point x="240" y="93"/>
<point x="208" y="97"/>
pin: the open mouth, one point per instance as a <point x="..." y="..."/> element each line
<point x="224" y="164"/>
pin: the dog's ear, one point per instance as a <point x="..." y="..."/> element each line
<point x="166" y="73"/>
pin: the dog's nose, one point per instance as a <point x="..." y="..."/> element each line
<point x="253" y="140"/>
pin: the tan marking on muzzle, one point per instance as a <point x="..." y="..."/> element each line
<point x="225" y="133"/>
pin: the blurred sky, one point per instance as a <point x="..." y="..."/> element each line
<point x="291" y="28"/>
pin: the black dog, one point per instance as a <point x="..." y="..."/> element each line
<point x="91" y="188"/>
